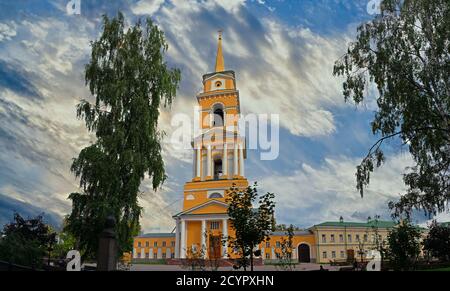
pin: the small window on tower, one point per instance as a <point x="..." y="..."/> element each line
<point x="218" y="84"/>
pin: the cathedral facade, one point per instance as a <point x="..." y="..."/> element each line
<point x="219" y="153"/>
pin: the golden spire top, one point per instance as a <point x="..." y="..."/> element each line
<point x="220" y="64"/>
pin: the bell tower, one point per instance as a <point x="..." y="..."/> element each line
<point x="219" y="155"/>
<point x="219" y="151"/>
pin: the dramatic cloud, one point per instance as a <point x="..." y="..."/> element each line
<point x="7" y="31"/>
<point x="146" y="6"/>
<point x="282" y="67"/>
<point x="314" y="194"/>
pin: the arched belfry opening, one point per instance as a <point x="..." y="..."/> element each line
<point x="217" y="168"/>
<point x="218" y="115"/>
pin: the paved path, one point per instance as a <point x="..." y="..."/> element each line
<point x="300" y="267"/>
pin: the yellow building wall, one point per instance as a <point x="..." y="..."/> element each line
<point x="148" y="243"/>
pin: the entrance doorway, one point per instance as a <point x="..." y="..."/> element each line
<point x="303" y="253"/>
<point x="214" y="247"/>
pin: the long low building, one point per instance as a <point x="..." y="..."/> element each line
<point x="321" y="243"/>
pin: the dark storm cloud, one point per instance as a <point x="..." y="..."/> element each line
<point x="15" y="78"/>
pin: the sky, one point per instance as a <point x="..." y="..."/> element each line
<point x="283" y="53"/>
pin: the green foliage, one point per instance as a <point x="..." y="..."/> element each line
<point x="405" y="53"/>
<point x="284" y="227"/>
<point x="285" y="262"/>
<point x="252" y="225"/>
<point x="26" y="241"/>
<point x="66" y="242"/>
<point x="380" y="244"/>
<point x="437" y="243"/>
<point x="404" y="246"/>
<point x="130" y="81"/>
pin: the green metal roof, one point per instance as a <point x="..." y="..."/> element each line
<point x="380" y="223"/>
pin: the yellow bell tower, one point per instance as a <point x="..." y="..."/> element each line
<point x="219" y="154"/>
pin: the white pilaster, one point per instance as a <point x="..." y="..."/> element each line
<point x="272" y="255"/>
<point x="199" y="159"/>
<point x="225" y="160"/>
<point x="241" y="160"/>
<point x="203" y="238"/>
<point x="142" y="253"/>
<point x="235" y="158"/>
<point x="134" y="253"/>
<point x="183" y="239"/>
<point x="208" y="161"/>
<point x="225" y="236"/>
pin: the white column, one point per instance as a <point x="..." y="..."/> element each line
<point x="177" y="240"/>
<point x="225" y="236"/>
<point x="168" y="253"/>
<point x="150" y="253"/>
<point x="263" y="253"/>
<point x="203" y="238"/>
<point x="134" y="253"/>
<point x="241" y="160"/>
<point x="225" y="160"/>
<point x="142" y="253"/>
<point x="235" y="157"/>
<point x="272" y="255"/>
<point x="199" y="159"/>
<point x="183" y="239"/>
<point x="208" y="161"/>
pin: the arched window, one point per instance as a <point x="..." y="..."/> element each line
<point x="217" y="169"/>
<point x="218" y="119"/>
<point x="215" y="195"/>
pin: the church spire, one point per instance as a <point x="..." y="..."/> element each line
<point x="220" y="64"/>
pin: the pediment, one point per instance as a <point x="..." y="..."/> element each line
<point x="211" y="206"/>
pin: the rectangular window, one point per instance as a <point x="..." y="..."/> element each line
<point x="267" y="244"/>
<point x="164" y="243"/>
<point x="139" y="244"/>
<point x="147" y="255"/>
<point x="164" y="255"/>
<point x="324" y="255"/>
<point x="268" y="256"/>
<point x="155" y="255"/>
<point x="155" y="244"/>
<point x="172" y="255"/>
<point x="146" y="244"/>
<point x="365" y="237"/>
<point x="341" y="238"/>
<point x="139" y="255"/>
<point x="172" y="243"/>
<point x="332" y="238"/>
<point x="349" y="238"/>
<point x="278" y="244"/>
<point x="333" y="254"/>
<point x="214" y="225"/>
<point x="324" y="238"/>
<point x="357" y="237"/>
<point x="342" y="255"/>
